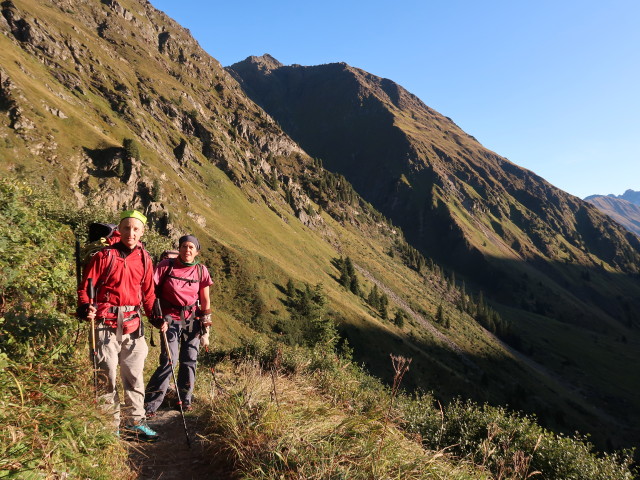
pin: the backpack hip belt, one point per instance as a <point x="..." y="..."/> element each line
<point x="187" y="321"/>
<point x="120" y="311"/>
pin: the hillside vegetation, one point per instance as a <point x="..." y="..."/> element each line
<point x="270" y="409"/>
<point x="556" y="269"/>
<point x="111" y="104"/>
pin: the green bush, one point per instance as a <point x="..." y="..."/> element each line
<point x="50" y="427"/>
<point x="508" y="444"/>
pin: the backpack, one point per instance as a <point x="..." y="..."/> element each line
<point x="100" y="235"/>
<point x="183" y="309"/>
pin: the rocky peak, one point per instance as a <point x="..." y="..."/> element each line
<point x="631" y="196"/>
<point x="265" y="62"/>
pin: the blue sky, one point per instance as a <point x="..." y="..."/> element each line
<point x="551" y="85"/>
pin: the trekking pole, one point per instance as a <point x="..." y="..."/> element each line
<point x="173" y="374"/>
<point x="91" y="293"/>
<point x="78" y="284"/>
<point x="78" y="265"/>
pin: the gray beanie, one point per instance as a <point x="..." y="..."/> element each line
<point x="189" y="238"/>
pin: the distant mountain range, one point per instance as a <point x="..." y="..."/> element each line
<point x="624" y="209"/>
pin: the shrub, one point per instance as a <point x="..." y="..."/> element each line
<point x="508" y="444"/>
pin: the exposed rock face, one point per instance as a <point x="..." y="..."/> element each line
<point x="631" y="196"/>
<point x="154" y="80"/>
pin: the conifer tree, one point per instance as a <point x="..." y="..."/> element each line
<point x="384" y="303"/>
<point x="373" y="299"/>
<point x="345" y="279"/>
<point x="156" y="192"/>
<point x="440" y="315"/>
<point x="354" y="284"/>
<point x="291" y="289"/>
<point x="120" y="169"/>
<point x="463" y="298"/>
<point x="399" y="317"/>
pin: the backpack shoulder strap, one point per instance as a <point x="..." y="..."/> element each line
<point x="164" y="277"/>
<point x="107" y="273"/>
<point x="146" y="263"/>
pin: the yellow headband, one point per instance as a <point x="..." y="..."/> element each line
<point x="133" y="214"/>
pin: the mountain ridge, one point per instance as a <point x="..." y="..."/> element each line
<point x="455" y="200"/>
<point x="439" y="165"/>
<point x="624" y="209"/>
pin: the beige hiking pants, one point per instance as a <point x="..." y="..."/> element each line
<point x="129" y="354"/>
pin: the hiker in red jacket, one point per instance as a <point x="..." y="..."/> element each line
<point x="123" y="276"/>
<point x="182" y="284"/>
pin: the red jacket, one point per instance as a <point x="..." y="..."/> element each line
<point x="121" y="279"/>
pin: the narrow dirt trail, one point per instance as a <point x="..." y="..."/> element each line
<point x="170" y="458"/>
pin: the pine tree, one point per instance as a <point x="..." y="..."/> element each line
<point x="384" y="303"/>
<point x="120" y="169"/>
<point x="463" y="298"/>
<point x="345" y="279"/>
<point x="398" y="319"/>
<point x="291" y="289"/>
<point x="355" y="285"/>
<point x="131" y="148"/>
<point x="274" y="179"/>
<point x="373" y="299"/>
<point x="440" y="315"/>
<point x="156" y="192"/>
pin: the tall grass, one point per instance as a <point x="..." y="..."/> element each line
<point x="51" y="428"/>
<point x="322" y="397"/>
<point x="305" y="435"/>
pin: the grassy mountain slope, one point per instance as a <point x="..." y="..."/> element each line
<point x="113" y="104"/>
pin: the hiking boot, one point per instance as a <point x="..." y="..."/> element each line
<point x="140" y="432"/>
<point x="149" y="415"/>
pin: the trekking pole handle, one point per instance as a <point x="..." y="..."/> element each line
<point x="91" y="291"/>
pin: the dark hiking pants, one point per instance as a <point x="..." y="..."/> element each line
<point x="186" y="338"/>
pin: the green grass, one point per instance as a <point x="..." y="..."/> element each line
<point x="272" y="425"/>
<point x="300" y="413"/>
<point x="273" y="410"/>
<point x="51" y="428"/>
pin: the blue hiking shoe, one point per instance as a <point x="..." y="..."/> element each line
<point x="140" y="432"/>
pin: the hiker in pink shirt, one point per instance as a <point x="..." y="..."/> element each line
<point x="182" y="285"/>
